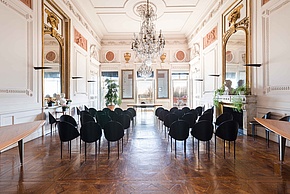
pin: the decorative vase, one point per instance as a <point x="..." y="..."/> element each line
<point x="127" y="57"/>
<point x="163" y="57"/>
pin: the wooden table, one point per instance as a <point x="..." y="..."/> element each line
<point x="282" y="128"/>
<point x="16" y="133"/>
<point x="144" y="105"/>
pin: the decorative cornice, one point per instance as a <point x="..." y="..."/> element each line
<point x="129" y="42"/>
<point x="17" y="91"/>
<point x="206" y="19"/>
<point x="4" y="2"/>
<point x="81" y="19"/>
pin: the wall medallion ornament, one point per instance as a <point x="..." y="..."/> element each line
<point x="179" y="55"/>
<point x="51" y="56"/>
<point x="110" y="56"/>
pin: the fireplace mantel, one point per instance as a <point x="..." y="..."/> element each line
<point x="249" y="108"/>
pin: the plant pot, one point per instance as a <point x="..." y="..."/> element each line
<point x="111" y="107"/>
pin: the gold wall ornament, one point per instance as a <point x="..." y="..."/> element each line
<point x="127" y="57"/>
<point x="163" y="57"/>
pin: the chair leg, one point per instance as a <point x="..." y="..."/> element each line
<point x="184" y="148"/>
<point x="122" y="145"/>
<point x="214" y="143"/>
<point x="229" y="147"/>
<point x="175" y="147"/>
<point x="254" y="131"/>
<point x="224" y="149"/>
<point x="267" y="137"/>
<point x="171" y="144"/>
<point x="50" y="129"/>
<point x="96" y="148"/>
<point x="69" y="149"/>
<point x="99" y="145"/>
<point x="208" y="148"/>
<point x="80" y="145"/>
<point x="193" y="144"/>
<point x="234" y="149"/>
<point x="108" y="149"/>
<point x="85" y="151"/>
<point x="61" y="150"/>
<point x="118" y="148"/>
<point x="197" y="148"/>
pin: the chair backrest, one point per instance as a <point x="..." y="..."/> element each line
<point x="114" y="116"/>
<point x="90" y="132"/>
<point x="125" y="120"/>
<point x="179" y="113"/>
<point x="67" y="131"/>
<point x="210" y="110"/>
<point x="132" y="110"/>
<point x="93" y="112"/>
<point x="185" y="109"/>
<point x="103" y="120"/>
<point x="285" y="118"/>
<point x="51" y="118"/>
<point x="267" y="116"/>
<point x="87" y="118"/>
<point x="202" y="130"/>
<point x="228" y="130"/>
<point x="223" y="117"/>
<point x="86" y="108"/>
<point x="206" y="116"/>
<point x="68" y="119"/>
<point x="106" y="110"/>
<point x="158" y="110"/>
<point x="163" y="114"/>
<point x="169" y="119"/>
<point x="113" y="131"/>
<point x="179" y="130"/>
<point x="127" y="112"/>
<point x="190" y="118"/>
<point x="118" y="110"/>
<point x="199" y="110"/>
<point x="173" y="109"/>
<point x="83" y="112"/>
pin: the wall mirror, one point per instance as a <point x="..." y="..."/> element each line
<point x="236" y="45"/>
<point x="162" y="84"/>
<point x="55" y="42"/>
<point x="127" y="84"/>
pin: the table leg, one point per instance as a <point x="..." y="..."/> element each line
<point x="282" y="144"/>
<point x="21" y="150"/>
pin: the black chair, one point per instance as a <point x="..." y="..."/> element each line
<point x="118" y="110"/>
<point x="206" y="116"/>
<point x="179" y="113"/>
<point x="157" y="111"/>
<point x="99" y="112"/>
<point x="179" y="130"/>
<point x="93" y="112"/>
<point x="228" y="131"/>
<point x="173" y="109"/>
<point x="106" y="110"/>
<point x="91" y="132"/>
<point x="185" y="109"/>
<point x="125" y="120"/>
<point x="222" y="118"/>
<point x="133" y="111"/>
<point x="103" y="120"/>
<point x="78" y="113"/>
<point x="86" y="108"/>
<point x="113" y="131"/>
<point x="202" y="131"/>
<point x="168" y="120"/>
<point x="114" y="116"/>
<point x="87" y="118"/>
<point x="285" y="118"/>
<point x="67" y="132"/>
<point x="199" y="110"/>
<point x="69" y="119"/>
<point x="255" y="123"/>
<point x="52" y="120"/>
<point x="190" y="118"/>
<point x="210" y="110"/>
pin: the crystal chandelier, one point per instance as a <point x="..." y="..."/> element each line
<point x="144" y="71"/>
<point x="147" y="45"/>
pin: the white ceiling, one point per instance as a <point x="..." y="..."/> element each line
<point x="115" y="18"/>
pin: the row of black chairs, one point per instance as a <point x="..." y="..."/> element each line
<point x="201" y="125"/>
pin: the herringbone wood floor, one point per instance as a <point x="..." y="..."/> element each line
<point x="146" y="165"/>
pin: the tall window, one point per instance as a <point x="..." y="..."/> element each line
<point x="180" y="89"/>
<point x="113" y="75"/>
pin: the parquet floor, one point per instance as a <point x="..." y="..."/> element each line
<point x="147" y="165"/>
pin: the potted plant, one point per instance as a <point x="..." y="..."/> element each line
<point x="112" y="97"/>
<point x="237" y="103"/>
<point x="242" y="90"/>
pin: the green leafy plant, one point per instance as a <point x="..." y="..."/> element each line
<point x="242" y="90"/>
<point x="237" y="103"/>
<point x="112" y="96"/>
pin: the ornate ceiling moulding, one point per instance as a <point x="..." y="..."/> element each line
<point x="81" y="19"/>
<point x="206" y="19"/>
<point x="210" y="37"/>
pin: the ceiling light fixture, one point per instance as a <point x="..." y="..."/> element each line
<point x="144" y="71"/>
<point x="147" y="45"/>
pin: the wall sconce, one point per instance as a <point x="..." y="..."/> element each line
<point x="76" y="77"/>
<point x="41" y="68"/>
<point x="214" y="75"/>
<point x="198" y="80"/>
<point x="253" y="65"/>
